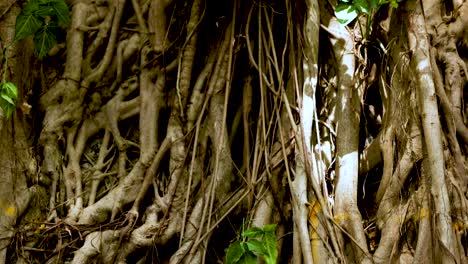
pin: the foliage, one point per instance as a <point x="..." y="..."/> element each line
<point x="8" y="93"/>
<point x="346" y="10"/>
<point x="8" y="90"/>
<point x="44" y="20"/>
<point x="260" y="241"/>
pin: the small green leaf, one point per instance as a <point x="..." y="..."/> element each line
<point x="56" y="9"/>
<point x="257" y="247"/>
<point x="261" y="242"/>
<point x="345" y="13"/>
<point x="8" y="99"/>
<point x="248" y="258"/>
<point x="362" y="6"/>
<point x="271" y="229"/>
<point x="267" y="246"/>
<point x="253" y="232"/>
<point x="374" y="3"/>
<point x="31" y="7"/>
<point x="234" y="252"/>
<point x="270" y="244"/>
<point x="8" y="108"/>
<point x="45" y="11"/>
<point x="45" y="39"/>
<point x="61" y="11"/>
<point x="10" y="90"/>
<point x="26" y="25"/>
<point x="238" y="253"/>
<point x="342" y="5"/>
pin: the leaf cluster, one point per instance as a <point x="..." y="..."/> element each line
<point x="347" y="10"/>
<point x="8" y="93"/>
<point x="44" y="20"/>
<point x="258" y="241"/>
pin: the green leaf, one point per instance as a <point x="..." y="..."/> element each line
<point x="345" y="13"/>
<point x="45" y="11"/>
<point x="270" y="229"/>
<point x="342" y="5"/>
<point x="257" y="247"/>
<point x="270" y="244"/>
<point x="362" y="6"/>
<point x="31" y="7"/>
<point x="234" y="252"/>
<point x="26" y="25"/>
<point x="56" y="9"/>
<point x="267" y="246"/>
<point x="10" y="90"/>
<point x="61" y="11"/>
<point x="248" y="258"/>
<point x="253" y="232"/>
<point x="7" y="99"/>
<point x="238" y="253"/>
<point x="8" y="108"/>
<point x="45" y="39"/>
<point x="374" y="3"/>
<point x="394" y="4"/>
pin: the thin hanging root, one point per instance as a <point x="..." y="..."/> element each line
<point x="191" y="242"/>
<point x="250" y="49"/>
<point x="246" y="111"/>
<point x="195" y="167"/>
<point x="198" y="97"/>
<point x="147" y="182"/>
<point x="221" y="177"/>
<point x="186" y="59"/>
